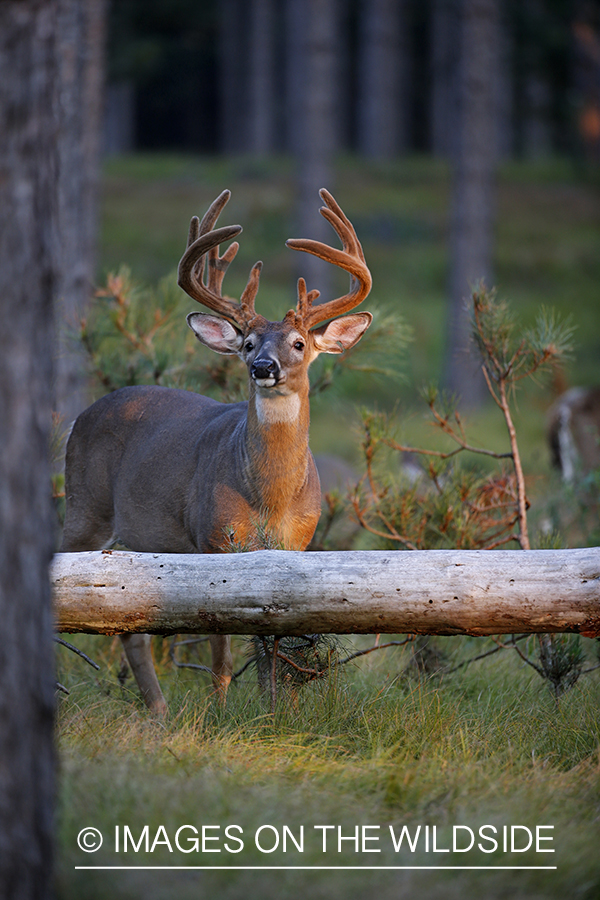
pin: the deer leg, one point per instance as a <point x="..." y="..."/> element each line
<point x="86" y="533"/>
<point x="83" y="531"/>
<point x="222" y="664"/>
<point x="139" y="655"/>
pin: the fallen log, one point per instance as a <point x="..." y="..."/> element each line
<point x="363" y="592"/>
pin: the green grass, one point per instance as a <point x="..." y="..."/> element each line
<point x="370" y="746"/>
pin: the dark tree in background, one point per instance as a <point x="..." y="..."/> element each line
<point x="194" y="73"/>
<point x="28" y="274"/>
<point x="443" y="61"/>
<point x="382" y="73"/>
<point x="318" y="127"/>
<point x="263" y="81"/>
<point x="473" y="202"/>
<point x="294" y="63"/>
<point x="164" y="71"/>
<point x="544" y="73"/>
<point x="466" y="80"/>
<point x="233" y="76"/>
<point x="81" y="27"/>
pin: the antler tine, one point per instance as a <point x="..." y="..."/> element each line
<point x="194" y="231"/>
<point x="351" y="258"/>
<point x="305" y="299"/>
<point x="197" y="228"/>
<point x="336" y="217"/>
<point x="203" y="240"/>
<point x="214" y="211"/>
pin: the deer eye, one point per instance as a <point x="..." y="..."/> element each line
<point x="248" y="346"/>
<point x="299" y="345"/>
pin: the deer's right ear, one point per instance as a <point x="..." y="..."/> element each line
<point x="218" y="334"/>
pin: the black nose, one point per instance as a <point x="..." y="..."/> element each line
<point x="264" y="368"/>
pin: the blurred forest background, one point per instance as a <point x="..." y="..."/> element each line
<point x="461" y="136"/>
<point x="230" y="76"/>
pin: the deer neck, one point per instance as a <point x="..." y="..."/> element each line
<point x="277" y="445"/>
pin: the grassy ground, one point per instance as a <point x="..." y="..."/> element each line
<point x="373" y="745"/>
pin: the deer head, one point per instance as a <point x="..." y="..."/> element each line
<point x="277" y="354"/>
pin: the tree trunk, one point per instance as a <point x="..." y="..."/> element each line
<point x="444" y="72"/>
<point x="119" y="129"/>
<point x="314" y="91"/>
<point x="28" y="253"/>
<point x="382" y="70"/>
<point x="262" y="78"/>
<point x="294" y="74"/>
<point x="233" y="76"/>
<point x="81" y="54"/>
<point x="359" y="592"/>
<point x="473" y="204"/>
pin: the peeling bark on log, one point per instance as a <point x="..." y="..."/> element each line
<point x="364" y="592"/>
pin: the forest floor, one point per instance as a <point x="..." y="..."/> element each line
<point x="376" y="744"/>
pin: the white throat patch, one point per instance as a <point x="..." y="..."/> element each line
<point x="277" y="408"/>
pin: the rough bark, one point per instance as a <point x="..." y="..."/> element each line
<point x="473" y="203"/>
<point x="285" y="592"/>
<point x="28" y="75"/>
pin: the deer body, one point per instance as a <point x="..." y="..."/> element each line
<point x="153" y="490"/>
<point x="170" y="471"/>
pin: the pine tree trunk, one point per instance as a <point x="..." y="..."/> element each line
<point x="262" y="77"/>
<point x="233" y="76"/>
<point x="81" y="56"/>
<point x="381" y="129"/>
<point x="444" y="71"/>
<point x="28" y="253"/>
<point x="295" y="77"/>
<point x="473" y="204"/>
<point x="314" y="87"/>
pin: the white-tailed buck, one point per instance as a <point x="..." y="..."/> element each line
<point x="170" y="471"/>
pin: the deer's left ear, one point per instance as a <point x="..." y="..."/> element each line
<point x="341" y="334"/>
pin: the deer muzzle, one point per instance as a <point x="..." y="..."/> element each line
<point x="265" y="371"/>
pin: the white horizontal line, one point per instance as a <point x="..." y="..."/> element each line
<point x="315" y="868"/>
